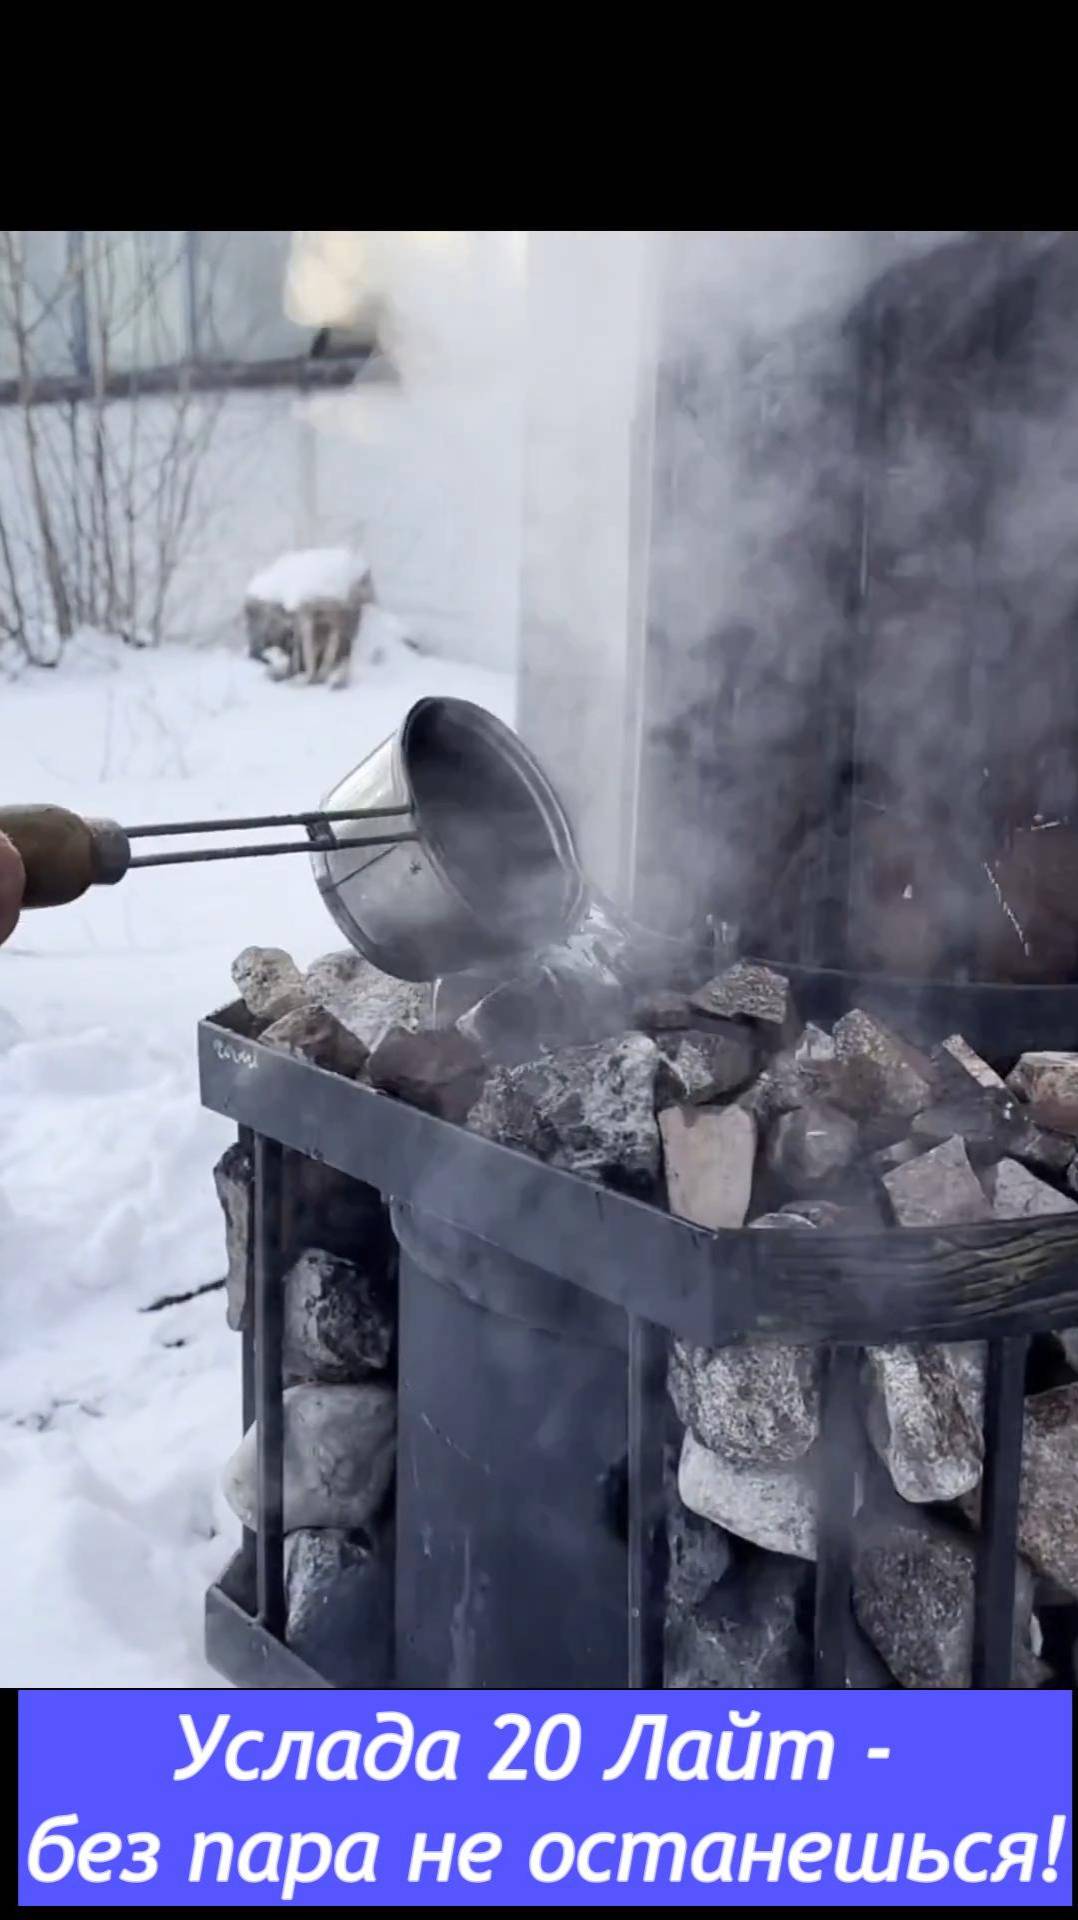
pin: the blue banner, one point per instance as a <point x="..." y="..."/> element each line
<point x="220" y="1798"/>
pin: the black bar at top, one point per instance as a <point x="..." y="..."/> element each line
<point x="997" y="1564"/>
<point x="839" y="1451"/>
<point x="269" y="1404"/>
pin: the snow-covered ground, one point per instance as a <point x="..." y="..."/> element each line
<point x="114" y="1421"/>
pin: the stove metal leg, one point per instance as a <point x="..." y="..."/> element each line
<point x="269" y="1406"/>
<point x="646" y="1517"/>
<point x="247" y="1340"/>
<point x="836" y="1493"/>
<point x="997" y="1555"/>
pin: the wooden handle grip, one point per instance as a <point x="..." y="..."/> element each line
<point x="62" y="854"/>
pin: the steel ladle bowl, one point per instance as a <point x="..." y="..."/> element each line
<point x="492" y="870"/>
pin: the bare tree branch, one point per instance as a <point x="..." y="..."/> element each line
<point x="111" y="427"/>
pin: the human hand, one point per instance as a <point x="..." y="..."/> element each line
<point x="11" y="886"/>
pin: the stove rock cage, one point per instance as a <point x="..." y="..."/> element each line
<point x="513" y="1271"/>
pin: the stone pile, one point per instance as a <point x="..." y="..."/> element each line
<point x="339" y="1331"/>
<point x="718" y="1102"/>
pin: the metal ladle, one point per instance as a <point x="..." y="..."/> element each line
<point x="483" y="866"/>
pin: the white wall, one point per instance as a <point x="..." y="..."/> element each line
<point x="430" y="468"/>
<point x="424" y="473"/>
<point x="589" y="406"/>
<point x="436" y="512"/>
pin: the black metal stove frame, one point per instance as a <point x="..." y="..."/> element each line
<point x="999" y="1282"/>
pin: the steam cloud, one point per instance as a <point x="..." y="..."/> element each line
<point x="862" y="570"/>
<point x="446" y="307"/>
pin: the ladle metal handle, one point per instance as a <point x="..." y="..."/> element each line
<point x="64" y="855"/>
<point x="169" y="829"/>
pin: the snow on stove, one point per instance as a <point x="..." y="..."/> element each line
<point x="314" y="573"/>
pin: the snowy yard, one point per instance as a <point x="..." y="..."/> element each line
<point x="114" y="1421"/>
